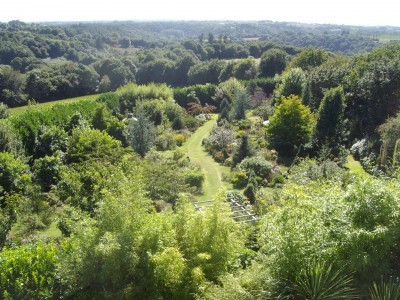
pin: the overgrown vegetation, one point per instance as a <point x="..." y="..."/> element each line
<point x="128" y="180"/>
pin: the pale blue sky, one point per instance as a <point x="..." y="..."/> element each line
<point x="384" y="12"/>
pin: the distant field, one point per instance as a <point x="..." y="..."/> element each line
<point x="388" y="38"/>
<point x="19" y="110"/>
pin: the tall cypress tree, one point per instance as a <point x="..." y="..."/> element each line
<point x="329" y="126"/>
<point x="141" y="133"/>
<point x="242" y="151"/>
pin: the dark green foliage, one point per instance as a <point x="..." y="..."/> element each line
<point x="46" y="171"/>
<point x="141" y="133"/>
<point x="292" y="82"/>
<point x="11" y="87"/>
<point x="153" y="109"/>
<point x="177" y="123"/>
<point x="8" y="51"/>
<point x="326" y="76"/>
<point x="258" y="165"/>
<point x="371" y="87"/>
<point x="76" y="121"/>
<point x="9" y="140"/>
<point x="27" y="124"/>
<point x="50" y="140"/>
<point x="250" y="193"/>
<point x="273" y="61"/>
<point x="309" y="59"/>
<point x="243" y="150"/>
<point x="88" y="144"/>
<point x="60" y="81"/>
<point x="329" y="127"/>
<point x="101" y="118"/>
<point x="115" y="72"/>
<point x="385" y="290"/>
<point x="194" y="178"/>
<point x="206" y="72"/>
<point x="117" y="129"/>
<point x="251" y="188"/>
<point x="224" y="114"/>
<point x="267" y="85"/>
<point x="111" y="101"/>
<point x="203" y="92"/>
<point x="240" y="105"/>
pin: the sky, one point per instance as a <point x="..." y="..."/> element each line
<point x="348" y="12"/>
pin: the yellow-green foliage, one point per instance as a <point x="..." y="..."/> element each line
<point x="291" y="125"/>
<point x="150" y="91"/>
<point x="27" y="272"/>
<point x="353" y="225"/>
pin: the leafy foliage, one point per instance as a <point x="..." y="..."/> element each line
<point x="290" y="126"/>
<point x="28" y="272"/>
<point x="330" y="119"/>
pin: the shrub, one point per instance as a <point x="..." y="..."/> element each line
<point x="180" y="139"/>
<point x="250" y="193"/>
<point x="239" y="179"/>
<point x="47" y="171"/>
<point x="177" y="123"/>
<point x="219" y="156"/>
<point x="194" y="178"/>
<point x="165" y="141"/>
<point x="28" y="272"/>
<point x="259" y="165"/>
<point x="243" y="150"/>
<point x="290" y="126"/>
<point x="220" y="138"/>
<point x="111" y="101"/>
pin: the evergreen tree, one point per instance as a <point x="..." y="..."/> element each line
<point x="242" y="151"/>
<point x="101" y="118"/>
<point x="251" y="188"/>
<point x="141" y="133"/>
<point x="329" y="126"/>
<point x="240" y="105"/>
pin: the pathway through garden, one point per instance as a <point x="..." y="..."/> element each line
<point x="212" y="170"/>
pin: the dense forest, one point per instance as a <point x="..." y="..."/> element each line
<point x="209" y="160"/>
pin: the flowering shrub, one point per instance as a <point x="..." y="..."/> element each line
<point x="179" y="138"/>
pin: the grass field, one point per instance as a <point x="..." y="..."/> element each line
<point x="388" y="38"/>
<point x="19" y="110"/>
<point x="213" y="171"/>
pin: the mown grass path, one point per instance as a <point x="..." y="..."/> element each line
<point x="213" y="171"/>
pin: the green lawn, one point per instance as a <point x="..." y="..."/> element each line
<point x="354" y="165"/>
<point x="213" y="171"/>
<point x="19" y="110"/>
